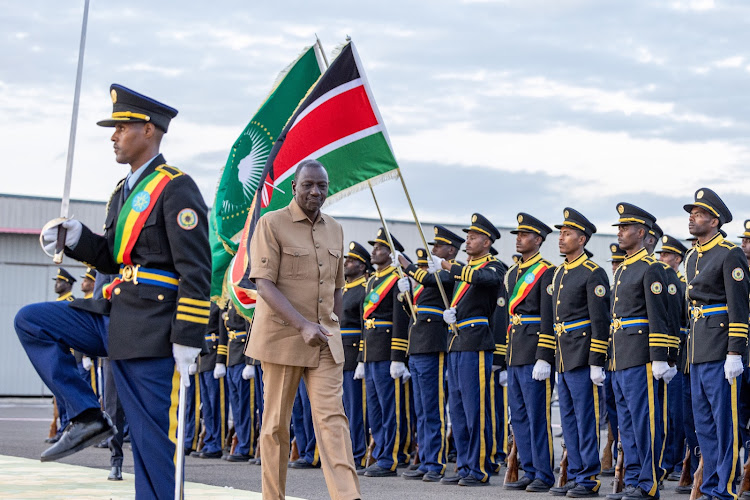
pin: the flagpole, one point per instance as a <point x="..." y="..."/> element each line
<point x="393" y="249"/>
<point x="375" y="109"/>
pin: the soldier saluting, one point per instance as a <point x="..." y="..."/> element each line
<point x="718" y="285"/>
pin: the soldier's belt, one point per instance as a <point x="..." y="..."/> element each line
<point x="350" y="331"/>
<point x="477" y="320"/>
<point x="697" y="312"/>
<point x="518" y="319"/>
<point x="684" y="331"/>
<point x="147" y="276"/>
<point x="211" y="338"/>
<point x="234" y="335"/>
<point x="618" y="323"/>
<point x="376" y="323"/>
<point x="571" y="326"/>
<point x="436" y="311"/>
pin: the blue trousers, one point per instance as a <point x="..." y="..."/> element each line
<point x="428" y="383"/>
<point x="530" y="403"/>
<point x="641" y="426"/>
<point x="469" y="400"/>
<point x="302" y="424"/>
<point x="241" y="398"/>
<point x="688" y="423"/>
<point x="674" y="429"/>
<point x="579" y="415"/>
<point x="213" y="400"/>
<point x="192" y="413"/>
<point x="355" y="407"/>
<point x="148" y="387"/>
<point x="715" y="411"/>
<point x="499" y="417"/>
<point x="385" y="413"/>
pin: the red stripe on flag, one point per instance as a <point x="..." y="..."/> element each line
<point x="339" y="117"/>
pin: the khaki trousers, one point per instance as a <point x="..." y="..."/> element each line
<point x="325" y="389"/>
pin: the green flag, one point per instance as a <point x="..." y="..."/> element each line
<point x="241" y="174"/>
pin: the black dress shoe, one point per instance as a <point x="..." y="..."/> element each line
<point x="413" y="467"/>
<point x="301" y="463"/>
<point x="686" y="490"/>
<point x="238" y="458"/>
<point x="538" y="486"/>
<point x="361" y="472"/>
<point x="254" y="461"/>
<point x="451" y="479"/>
<point x="674" y="475"/>
<point x="413" y="474"/>
<point x="637" y="493"/>
<point x="432" y="477"/>
<point x="581" y="491"/>
<point x="55" y="438"/>
<point x="378" y="471"/>
<point x="210" y="454"/>
<point x="115" y="474"/>
<point x="561" y="491"/>
<point x="472" y="481"/>
<point x="358" y="466"/>
<point x="618" y="496"/>
<point x="608" y="472"/>
<point x="80" y="435"/>
<point x="104" y="443"/>
<point x="521" y="484"/>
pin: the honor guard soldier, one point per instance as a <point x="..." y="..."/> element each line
<point x="617" y="256"/>
<point x="212" y="369"/>
<point x="64" y="285"/>
<point x="85" y="363"/>
<point x="470" y="350"/>
<point x="531" y="354"/>
<point x="240" y="389"/>
<point x="356" y="268"/>
<point x="385" y="334"/>
<point x="718" y="286"/>
<point x="428" y="343"/>
<point x="672" y="253"/>
<point x="640" y="346"/>
<point x="580" y="301"/>
<point x="156" y="238"/>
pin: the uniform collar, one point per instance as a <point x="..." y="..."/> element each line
<point x="388" y="270"/>
<point x="298" y="214"/>
<point x="480" y="260"/>
<point x="88" y="295"/>
<point x="64" y="296"/>
<point x="718" y="238"/>
<point x="357" y="282"/>
<point x="132" y="177"/>
<point x="635" y="258"/>
<point x="576" y="262"/>
<point x="533" y="260"/>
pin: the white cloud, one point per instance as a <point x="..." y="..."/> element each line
<point x="695" y="5"/>
<point x="730" y="62"/>
<point x="149" y="68"/>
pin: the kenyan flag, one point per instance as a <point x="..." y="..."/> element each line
<point x="337" y="124"/>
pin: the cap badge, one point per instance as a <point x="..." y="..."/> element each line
<point x="113" y="93"/>
<point x="613" y="248"/>
<point x="665" y="239"/>
<point x="436" y="230"/>
<point x="699" y="195"/>
<point x="566" y="214"/>
<point x="352" y="246"/>
<point x="474" y="218"/>
<point x="747" y="224"/>
<point x="520" y="218"/>
<point x="620" y="209"/>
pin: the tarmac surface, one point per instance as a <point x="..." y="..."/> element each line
<point x="24" y="423"/>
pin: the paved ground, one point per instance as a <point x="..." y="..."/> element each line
<point x="24" y="424"/>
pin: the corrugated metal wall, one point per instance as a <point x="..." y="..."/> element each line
<point x="26" y="273"/>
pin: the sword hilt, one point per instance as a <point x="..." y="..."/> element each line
<point x="60" y="245"/>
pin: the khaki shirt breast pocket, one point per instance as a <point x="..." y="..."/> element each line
<point x="334" y="255"/>
<point x="295" y="263"/>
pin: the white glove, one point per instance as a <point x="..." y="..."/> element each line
<point x="502" y="377"/>
<point x="670" y="374"/>
<point x="192" y="369"/>
<point x="394" y="258"/>
<point x="733" y="367"/>
<point x="359" y="371"/>
<point x="220" y="370"/>
<point x="449" y="315"/>
<point x="434" y="264"/>
<point x="406" y="376"/>
<point x="49" y="233"/>
<point x="403" y="284"/>
<point x="659" y="368"/>
<point x="397" y="369"/>
<point x="495" y="368"/>
<point x="248" y="373"/>
<point x="542" y="370"/>
<point x="184" y="356"/>
<point x="596" y="373"/>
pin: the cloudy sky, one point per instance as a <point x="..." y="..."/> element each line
<point x="492" y="106"/>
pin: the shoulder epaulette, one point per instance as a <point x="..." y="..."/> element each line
<point x="590" y="264"/>
<point x="171" y="171"/>
<point x="727" y="244"/>
<point x="650" y="260"/>
<point x="665" y="265"/>
<point x="550" y="264"/>
<point x="683" y="279"/>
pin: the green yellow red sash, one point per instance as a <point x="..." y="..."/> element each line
<point x="373" y="299"/>
<point x="524" y="284"/>
<point x="136" y="210"/>
<point x="418" y="289"/>
<point x="463" y="286"/>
